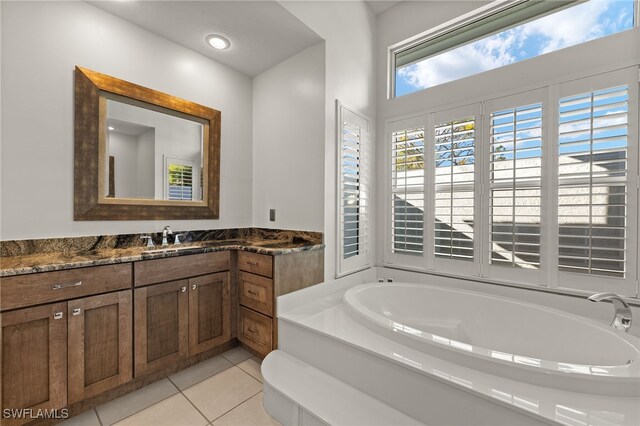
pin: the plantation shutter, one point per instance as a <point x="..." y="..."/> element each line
<point x="454" y="189"/>
<point x="515" y="186"/>
<point x="592" y="173"/>
<point x="407" y="188"/>
<point x="353" y="192"/>
<point x="180" y="182"/>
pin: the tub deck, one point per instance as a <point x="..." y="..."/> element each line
<point x="320" y="332"/>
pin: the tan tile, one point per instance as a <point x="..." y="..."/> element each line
<point x="200" y="371"/>
<point x="88" y="418"/>
<point x="252" y="367"/>
<point x="133" y="402"/>
<point x="236" y="355"/>
<point x="173" y="411"/>
<point x="222" y="392"/>
<point x="250" y="412"/>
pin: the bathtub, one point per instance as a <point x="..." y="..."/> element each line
<point x="505" y="337"/>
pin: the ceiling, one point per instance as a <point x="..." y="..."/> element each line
<point x="262" y="33"/>
<point x="379" y="6"/>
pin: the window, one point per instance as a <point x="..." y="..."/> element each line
<point x="407" y="189"/>
<point x="353" y="191"/>
<point x="495" y="36"/>
<point x="180" y="179"/>
<point x="538" y="187"/>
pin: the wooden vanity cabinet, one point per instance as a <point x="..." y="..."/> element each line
<point x="261" y="279"/>
<point x="180" y="318"/>
<point x="34" y="359"/>
<point x="59" y="353"/>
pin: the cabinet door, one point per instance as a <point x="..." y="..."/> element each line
<point x="100" y="344"/>
<point x="34" y="359"/>
<point x="209" y="312"/>
<point x="161" y="325"/>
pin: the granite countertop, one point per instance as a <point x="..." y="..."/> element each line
<point x="69" y="259"/>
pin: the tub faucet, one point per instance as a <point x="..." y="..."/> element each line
<point x="166" y="231"/>
<point x="622" y="316"/>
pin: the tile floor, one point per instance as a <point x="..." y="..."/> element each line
<point x="223" y="390"/>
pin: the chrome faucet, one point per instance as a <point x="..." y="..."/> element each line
<point x="622" y="316"/>
<point x="166" y="231"/>
<point x="149" y="240"/>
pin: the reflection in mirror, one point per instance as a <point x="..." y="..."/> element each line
<point x="151" y="154"/>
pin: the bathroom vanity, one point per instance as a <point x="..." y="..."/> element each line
<point x="82" y="335"/>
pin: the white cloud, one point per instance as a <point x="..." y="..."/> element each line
<point x="569" y="27"/>
<point x="470" y="59"/>
<point x="556" y="31"/>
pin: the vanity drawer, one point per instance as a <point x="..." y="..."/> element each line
<point x="260" y="264"/>
<point x="256" y="292"/>
<point x="175" y="268"/>
<point x="255" y="330"/>
<point x="45" y="287"/>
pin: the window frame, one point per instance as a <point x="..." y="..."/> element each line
<point x="362" y="260"/>
<point x="483" y="13"/>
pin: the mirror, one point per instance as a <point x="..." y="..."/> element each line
<point x="142" y="154"/>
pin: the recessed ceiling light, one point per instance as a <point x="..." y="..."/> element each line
<point x="218" y="42"/>
<point x="111" y="128"/>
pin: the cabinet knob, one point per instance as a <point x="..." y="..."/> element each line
<point x="194" y="286"/>
<point x="76" y="311"/>
<point x="183" y="289"/>
<point x="253" y="293"/>
<point x="252" y="330"/>
<point x="57" y="315"/>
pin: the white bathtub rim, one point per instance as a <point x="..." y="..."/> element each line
<point x="353" y="305"/>
<point x="548" y="373"/>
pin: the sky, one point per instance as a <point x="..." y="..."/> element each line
<point x="575" y="25"/>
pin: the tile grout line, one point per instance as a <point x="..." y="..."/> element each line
<point x="231" y="409"/>
<point x="148" y="406"/>
<point x="228" y="411"/>
<point x="247" y="373"/>
<point x="98" y="416"/>
<point x="190" y="402"/>
<point x="206" y="378"/>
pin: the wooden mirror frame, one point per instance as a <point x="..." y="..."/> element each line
<point x="90" y="200"/>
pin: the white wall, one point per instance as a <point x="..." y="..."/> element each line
<point x="288" y="142"/>
<point x="124" y="149"/>
<point x="145" y="169"/>
<point x="42" y="42"/>
<point x="348" y="28"/>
